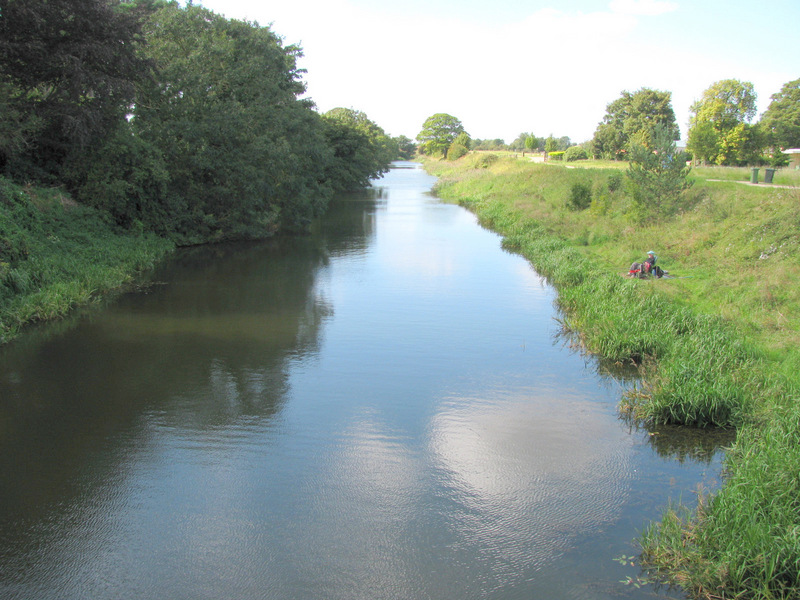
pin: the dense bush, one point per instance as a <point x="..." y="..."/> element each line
<point x="456" y="151"/>
<point x="556" y="155"/>
<point x="615" y="180"/>
<point x="575" y="153"/>
<point x="580" y="196"/>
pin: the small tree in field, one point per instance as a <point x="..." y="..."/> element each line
<point x="658" y="174"/>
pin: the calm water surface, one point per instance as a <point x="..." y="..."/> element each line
<point x="381" y="410"/>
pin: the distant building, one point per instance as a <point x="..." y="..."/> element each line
<point x="794" y="157"/>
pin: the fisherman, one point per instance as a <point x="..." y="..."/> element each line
<point x="649" y="265"/>
<point x="650" y="261"/>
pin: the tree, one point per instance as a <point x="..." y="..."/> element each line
<point x="658" y="172"/>
<point x="245" y="155"/>
<point x="726" y="107"/>
<point x="68" y="70"/>
<point x="439" y="131"/>
<point x="526" y="141"/>
<point x="534" y="143"/>
<point x="463" y="139"/>
<point x="406" y="148"/>
<point x="781" y="121"/>
<point x="631" y="119"/>
<point x="361" y="149"/>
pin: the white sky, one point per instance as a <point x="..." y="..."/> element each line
<point x="539" y="66"/>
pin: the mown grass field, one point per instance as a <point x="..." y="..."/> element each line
<point x="717" y="343"/>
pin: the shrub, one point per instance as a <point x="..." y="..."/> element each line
<point x="456" y="151"/>
<point x="484" y="161"/>
<point x="580" y="196"/>
<point x="614" y="181"/>
<point x="557" y="155"/>
<point x="575" y="153"/>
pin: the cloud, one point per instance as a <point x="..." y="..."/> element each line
<point x="649" y="8"/>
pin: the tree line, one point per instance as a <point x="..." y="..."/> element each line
<point x="174" y="119"/>
<point x="720" y="128"/>
<point x="444" y="135"/>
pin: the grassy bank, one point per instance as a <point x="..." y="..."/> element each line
<point x="55" y="255"/>
<point x="716" y="345"/>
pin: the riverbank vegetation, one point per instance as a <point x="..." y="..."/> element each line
<point x="55" y="254"/>
<point x="716" y="342"/>
<point x="154" y="120"/>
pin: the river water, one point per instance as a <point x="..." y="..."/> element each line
<point x="384" y="409"/>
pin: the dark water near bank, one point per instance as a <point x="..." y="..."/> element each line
<point x="382" y="410"/>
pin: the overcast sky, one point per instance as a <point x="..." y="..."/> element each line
<point x="541" y="66"/>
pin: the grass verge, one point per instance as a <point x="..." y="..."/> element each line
<point x="55" y="255"/>
<point x="716" y="348"/>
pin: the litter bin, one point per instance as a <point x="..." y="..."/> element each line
<point x="754" y="176"/>
<point x="768" y="174"/>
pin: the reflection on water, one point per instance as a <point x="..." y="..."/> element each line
<point x="684" y="444"/>
<point x="376" y="410"/>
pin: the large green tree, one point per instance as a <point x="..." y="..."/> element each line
<point x="630" y="119"/>
<point x="719" y="128"/>
<point x="361" y="149"/>
<point x="781" y="121"/>
<point x="68" y="70"/>
<point x="244" y="154"/>
<point x="439" y="131"/>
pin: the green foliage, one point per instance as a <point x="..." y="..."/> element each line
<point x="68" y="70"/>
<point x="406" y="148"/>
<point x="456" y="151"/>
<point x="615" y="181"/>
<point x="484" y="161"/>
<point x="361" y="149"/>
<point x="55" y="255"/>
<point x="494" y="145"/>
<point x="126" y="177"/>
<point x="556" y="155"/>
<point x="719" y="131"/>
<point x="580" y="196"/>
<point x="218" y="145"/>
<point x="630" y="120"/>
<point x="781" y="121"/>
<point x="463" y="139"/>
<point x="244" y="155"/>
<point x="533" y="143"/>
<point x="574" y="153"/>
<point x="439" y="131"/>
<point x="658" y="174"/>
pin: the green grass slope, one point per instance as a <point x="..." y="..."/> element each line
<point x="56" y="255"/>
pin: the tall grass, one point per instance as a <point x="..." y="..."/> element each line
<point x="55" y="255"/>
<point x="705" y="345"/>
<point x="744" y="541"/>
